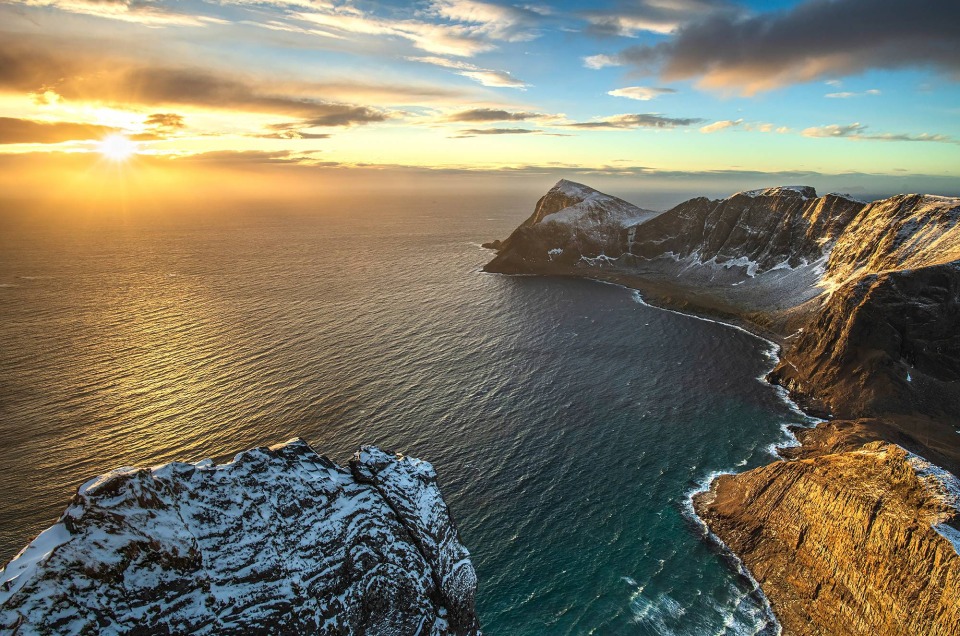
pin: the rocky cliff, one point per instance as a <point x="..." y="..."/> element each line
<point x="571" y="224"/>
<point x="279" y="541"/>
<point x="855" y="533"/>
<point x="857" y="542"/>
<point x="884" y="335"/>
<point x="756" y="231"/>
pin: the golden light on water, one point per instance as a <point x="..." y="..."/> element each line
<point x="117" y="147"/>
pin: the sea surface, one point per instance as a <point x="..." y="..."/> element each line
<point x="569" y="422"/>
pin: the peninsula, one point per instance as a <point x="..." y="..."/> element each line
<point x="856" y="530"/>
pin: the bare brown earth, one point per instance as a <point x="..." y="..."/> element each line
<point x="840" y="534"/>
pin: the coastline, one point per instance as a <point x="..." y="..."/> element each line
<point x="807" y="448"/>
<point x="705" y="483"/>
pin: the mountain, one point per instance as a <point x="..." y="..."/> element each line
<point x="856" y="531"/>
<point x="279" y="541"/>
<point x="571" y="223"/>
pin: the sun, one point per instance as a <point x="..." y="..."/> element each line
<point x="117" y="147"/>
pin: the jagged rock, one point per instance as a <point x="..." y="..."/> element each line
<point x="570" y="222"/>
<point x="758" y="230"/>
<point x="279" y="541"/>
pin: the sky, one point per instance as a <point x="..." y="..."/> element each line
<point x="860" y="95"/>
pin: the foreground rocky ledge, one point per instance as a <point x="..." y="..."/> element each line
<point x="279" y="541"/>
<point x="862" y="541"/>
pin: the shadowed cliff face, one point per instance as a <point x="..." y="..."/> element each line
<point x="783" y="227"/>
<point x="856" y="542"/>
<point x="280" y="541"/>
<point x="570" y="222"/>
<point x="882" y="343"/>
<point x="891" y="312"/>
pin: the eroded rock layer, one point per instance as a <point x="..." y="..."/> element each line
<point x="279" y="541"/>
<point x="862" y="541"/>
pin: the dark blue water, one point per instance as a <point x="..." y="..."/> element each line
<point x="568" y="422"/>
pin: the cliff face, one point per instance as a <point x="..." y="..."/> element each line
<point x="570" y="223"/>
<point x="885" y="337"/>
<point x="883" y="343"/>
<point x="280" y="541"/>
<point x="759" y="230"/>
<point x="857" y="542"/>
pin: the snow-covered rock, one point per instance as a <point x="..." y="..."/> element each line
<point x="571" y="222"/>
<point x="279" y="541"/>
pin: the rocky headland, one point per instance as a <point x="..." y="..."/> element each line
<point x="855" y="530"/>
<point x="279" y="541"/>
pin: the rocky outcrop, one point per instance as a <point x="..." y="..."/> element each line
<point x="570" y="223"/>
<point x="279" y="541"/>
<point x="760" y="230"/>
<point x="861" y="541"/>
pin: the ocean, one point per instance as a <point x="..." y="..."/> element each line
<point x="568" y="421"/>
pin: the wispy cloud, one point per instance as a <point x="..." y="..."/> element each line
<point x="717" y="126"/>
<point x="601" y="60"/>
<point x="628" y="19"/>
<point x="461" y="28"/>
<point x="859" y="131"/>
<point x="641" y="93"/>
<point x="152" y="14"/>
<point x="848" y="94"/>
<point x="645" y="120"/>
<point x="26" y="131"/>
<point x="485" y="76"/>
<point x="473" y="132"/>
<point x="500" y="22"/>
<point x="491" y="115"/>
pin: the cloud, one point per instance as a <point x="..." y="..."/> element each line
<point x="499" y="22"/>
<point x="168" y="121"/>
<point x="28" y="131"/>
<point x="653" y="16"/>
<point x="717" y="126"/>
<point x="597" y="62"/>
<point x="292" y="131"/>
<point x="77" y="75"/>
<point x="848" y="95"/>
<point x="239" y="157"/>
<point x="813" y="40"/>
<point x="462" y="28"/>
<point x="642" y="93"/>
<point x="487" y="77"/>
<point x="858" y="131"/>
<point x="647" y="120"/>
<point x="490" y="114"/>
<point x="472" y="132"/>
<point x="152" y="14"/>
<point x="500" y="79"/>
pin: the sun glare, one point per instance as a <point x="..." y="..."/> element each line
<point x="117" y="148"/>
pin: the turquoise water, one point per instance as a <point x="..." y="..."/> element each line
<point x="568" y="422"/>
